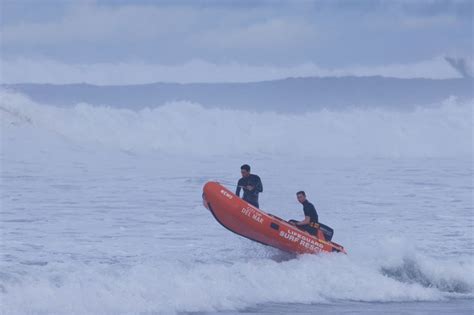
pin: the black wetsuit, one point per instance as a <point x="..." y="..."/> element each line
<point x="314" y="225"/>
<point x="251" y="196"/>
<point x="309" y="211"/>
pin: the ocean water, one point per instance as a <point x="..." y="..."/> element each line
<point x="101" y="210"/>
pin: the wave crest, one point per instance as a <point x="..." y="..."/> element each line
<point x="191" y="129"/>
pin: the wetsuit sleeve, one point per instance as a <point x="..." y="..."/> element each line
<point x="307" y="211"/>
<point x="315" y="213"/>
<point x="310" y="211"/>
<point x="259" y="186"/>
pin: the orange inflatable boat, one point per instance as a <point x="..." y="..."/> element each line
<point x="245" y="220"/>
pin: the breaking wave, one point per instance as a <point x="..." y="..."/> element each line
<point x="187" y="128"/>
<point x="179" y="286"/>
<point x="372" y="272"/>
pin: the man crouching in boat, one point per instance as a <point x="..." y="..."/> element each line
<point x="310" y="214"/>
<point x="251" y="184"/>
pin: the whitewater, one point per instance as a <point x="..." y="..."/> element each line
<point x="101" y="209"/>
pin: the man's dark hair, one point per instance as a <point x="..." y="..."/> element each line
<point x="245" y="167"/>
<point x="301" y="193"/>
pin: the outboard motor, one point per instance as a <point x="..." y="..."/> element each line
<point x="327" y="231"/>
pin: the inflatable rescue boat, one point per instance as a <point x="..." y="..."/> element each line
<point x="248" y="221"/>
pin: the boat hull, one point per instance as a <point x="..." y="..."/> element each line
<point x="248" y="221"/>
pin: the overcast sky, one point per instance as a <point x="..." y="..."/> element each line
<point x="118" y="42"/>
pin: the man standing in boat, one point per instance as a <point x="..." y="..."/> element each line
<point x="251" y="185"/>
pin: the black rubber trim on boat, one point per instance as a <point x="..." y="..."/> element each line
<point x="215" y="217"/>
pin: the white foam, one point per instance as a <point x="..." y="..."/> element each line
<point x="191" y="129"/>
<point x="178" y="286"/>
<point x="66" y="278"/>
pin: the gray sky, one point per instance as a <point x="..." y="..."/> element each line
<point x="144" y="41"/>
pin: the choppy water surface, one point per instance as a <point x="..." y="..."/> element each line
<point x="88" y="229"/>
